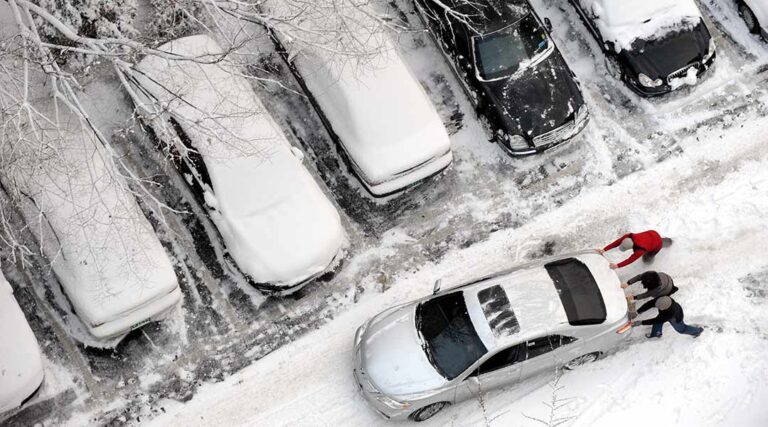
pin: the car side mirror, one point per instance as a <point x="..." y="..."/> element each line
<point x="548" y="25"/>
<point x="436" y="288"/>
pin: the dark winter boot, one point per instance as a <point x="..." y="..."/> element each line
<point x="666" y="242"/>
<point x="648" y="335"/>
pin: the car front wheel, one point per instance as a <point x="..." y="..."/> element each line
<point x="581" y="360"/>
<point x="749" y="18"/>
<point x="428" y="412"/>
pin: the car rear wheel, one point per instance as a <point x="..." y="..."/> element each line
<point x="582" y="360"/>
<point x="749" y="18"/>
<point x="428" y="412"/>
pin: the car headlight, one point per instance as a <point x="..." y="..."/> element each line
<point x="517" y="142"/>
<point x="647" y="81"/>
<point x="394" y="404"/>
<point x="711" y="50"/>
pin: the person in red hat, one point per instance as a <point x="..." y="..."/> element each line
<point x="646" y="244"/>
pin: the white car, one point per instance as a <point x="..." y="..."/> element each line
<point x="384" y="121"/>
<point x="21" y="366"/>
<point x="104" y="252"/>
<point x="413" y="360"/>
<point x="276" y="222"/>
<point x="755" y="15"/>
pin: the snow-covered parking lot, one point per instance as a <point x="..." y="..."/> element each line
<point x="690" y="164"/>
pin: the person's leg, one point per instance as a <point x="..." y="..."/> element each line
<point x="656" y="330"/>
<point x="682" y="328"/>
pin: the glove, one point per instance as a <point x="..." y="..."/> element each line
<point x="636" y="323"/>
<point x="632" y="315"/>
<point x="613" y="266"/>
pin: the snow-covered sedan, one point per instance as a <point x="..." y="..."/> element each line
<point x="113" y="270"/>
<point x="21" y="366"/>
<point x="655" y="46"/>
<point x="382" y="118"/>
<point x="755" y="15"/>
<point x="511" y="69"/>
<point x="413" y="360"/>
<point x="276" y="222"/>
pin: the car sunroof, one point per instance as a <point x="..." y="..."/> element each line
<point x="498" y="312"/>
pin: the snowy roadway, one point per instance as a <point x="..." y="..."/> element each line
<point x="713" y="200"/>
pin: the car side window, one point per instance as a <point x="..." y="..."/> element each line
<point x="546" y="344"/>
<point x="502" y="359"/>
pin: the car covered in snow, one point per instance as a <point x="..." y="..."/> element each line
<point x="114" y="272"/>
<point x="21" y="365"/>
<point x="755" y="15"/>
<point x="511" y="69"/>
<point x="276" y="222"/>
<point x="414" y="359"/>
<point x="379" y="114"/>
<point x="654" y="46"/>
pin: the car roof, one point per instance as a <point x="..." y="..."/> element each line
<point x="534" y="301"/>
<point x="492" y="15"/>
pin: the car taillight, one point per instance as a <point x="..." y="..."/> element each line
<point x="624" y="328"/>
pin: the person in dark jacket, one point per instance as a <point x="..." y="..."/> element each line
<point x="656" y="285"/>
<point x="646" y="244"/>
<point x="669" y="311"/>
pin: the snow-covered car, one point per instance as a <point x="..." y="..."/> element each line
<point x="112" y="268"/>
<point x="382" y="118"/>
<point x="755" y="15"/>
<point x="276" y="222"/>
<point x="654" y="46"/>
<point x="414" y="359"/>
<point x="21" y="365"/>
<point x="511" y="69"/>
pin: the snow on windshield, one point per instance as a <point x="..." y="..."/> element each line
<point x="624" y="21"/>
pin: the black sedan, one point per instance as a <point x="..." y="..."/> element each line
<point x="514" y="74"/>
<point x="678" y="51"/>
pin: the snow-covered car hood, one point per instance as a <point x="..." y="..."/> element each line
<point x="285" y="233"/>
<point x="661" y="57"/>
<point x="538" y="99"/>
<point x="382" y="116"/>
<point x="393" y="357"/>
<point x="621" y="22"/>
<point x="276" y="222"/>
<point x="21" y="366"/>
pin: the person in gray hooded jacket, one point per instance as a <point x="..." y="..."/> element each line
<point x="656" y="285"/>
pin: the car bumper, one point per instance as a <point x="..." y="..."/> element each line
<point x="405" y="180"/>
<point x="649" y="92"/>
<point x="565" y="134"/>
<point x="157" y="310"/>
<point x="279" y="289"/>
<point x="383" y="410"/>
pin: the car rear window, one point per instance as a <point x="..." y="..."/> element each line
<point x="498" y="312"/>
<point x="581" y="298"/>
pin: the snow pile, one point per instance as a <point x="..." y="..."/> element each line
<point x="276" y="222"/>
<point x="624" y="21"/>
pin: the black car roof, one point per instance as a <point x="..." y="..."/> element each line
<point x="491" y="15"/>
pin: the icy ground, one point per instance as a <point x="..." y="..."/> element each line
<point x="689" y="164"/>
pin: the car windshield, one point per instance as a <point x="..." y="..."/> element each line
<point x="506" y="51"/>
<point x="450" y="340"/>
<point x="579" y="293"/>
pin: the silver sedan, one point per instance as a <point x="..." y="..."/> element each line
<point x="413" y="360"/>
